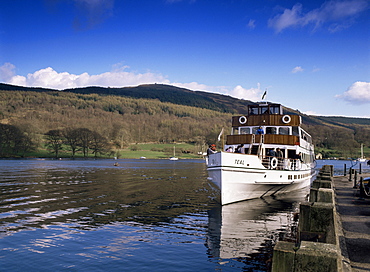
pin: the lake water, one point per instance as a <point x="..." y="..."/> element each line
<point x="142" y="215"/>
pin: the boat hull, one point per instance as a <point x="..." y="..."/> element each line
<point x="241" y="177"/>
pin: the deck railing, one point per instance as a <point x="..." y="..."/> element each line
<point x="271" y="162"/>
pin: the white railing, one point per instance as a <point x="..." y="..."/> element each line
<point x="282" y="163"/>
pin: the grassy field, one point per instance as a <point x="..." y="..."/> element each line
<point x="160" y="151"/>
<point x="134" y="151"/>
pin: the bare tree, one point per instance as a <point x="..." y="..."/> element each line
<point x="55" y="141"/>
<point x="71" y="139"/>
<point x="99" y="144"/>
<point x="84" y="140"/>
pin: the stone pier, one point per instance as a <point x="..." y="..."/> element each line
<point x="334" y="230"/>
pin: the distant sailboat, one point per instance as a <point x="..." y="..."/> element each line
<point x="362" y="159"/>
<point x="174" y="158"/>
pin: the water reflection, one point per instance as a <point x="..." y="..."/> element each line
<point x="242" y="229"/>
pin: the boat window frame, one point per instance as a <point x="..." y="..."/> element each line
<point x="253" y="110"/>
<point x="248" y="129"/>
<point x="254" y="130"/>
<point x="287" y="128"/>
<point x="274" y="109"/>
<point x="271" y="127"/>
<point x="264" y="110"/>
<point x="295" y="133"/>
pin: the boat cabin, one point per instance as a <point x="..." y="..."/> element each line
<point x="266" y="128"/>
<point x="265" y="109"/>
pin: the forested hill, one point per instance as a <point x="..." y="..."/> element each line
<point x="200" y="99"/>
<point x="167" y="93"/>
<point x="164" y="93"/>
<point x="158" y="113"/>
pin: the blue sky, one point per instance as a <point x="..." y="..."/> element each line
<point x="309" y="55"/>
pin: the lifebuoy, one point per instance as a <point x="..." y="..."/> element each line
<point x="286" y="119"/>
<point x="242" y="120"/>
<point x="273" y="163"/>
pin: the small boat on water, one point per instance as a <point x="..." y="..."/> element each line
<point x="274" y="155"/>
<point x="174" y="158"/>
<point x="362" y="158"/>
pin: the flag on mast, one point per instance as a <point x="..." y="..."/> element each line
<point x="264" y="94"/>
<point x="219" y="136"/>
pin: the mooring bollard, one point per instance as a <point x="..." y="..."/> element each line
<point x="355" y="179"/>
<point x="360" y="170"/>
<point x="345" y="170"/>
<point x="362" y="189"/>
<point x="350" y="174"/>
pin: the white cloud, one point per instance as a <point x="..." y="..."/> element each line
<point x="357" y="93"/>
<point x="312" y="113"/>
<point x="49" y="78"/>
<point x="297" y="69"/>
<point x="287" y="19"/>
<point x="119" y="77"/>
<point x="194" y="86"/>
<point x="7" y="71"/>
<point x="251" y="24"/>
<point x="335" y="14"/>
<point x="253" y="94"/>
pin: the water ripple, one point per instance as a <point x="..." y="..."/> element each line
<point x="151" y="215"/>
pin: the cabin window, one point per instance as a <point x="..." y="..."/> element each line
<point x="274" y="109"/>
<point x="253" y="110"/>
<point x="264" y="110"/>
<point x="245" y="130"/>
<point x="295" y="131"/>
<point x="235" y="131"/>
<point x="284" y="131"/>
<point x="306" y="137"/>
<point x="271" y="130"/>
<point x="254" y="130"/>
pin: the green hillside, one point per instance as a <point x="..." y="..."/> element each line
<point x="164" y="93"/>
<point x="156" y="113"/>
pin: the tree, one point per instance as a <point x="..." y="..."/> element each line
<point x="84" y="140"/>
<point x="55" y="141"/>
<point x="99" y="144"/>
<point x="13" y="141"/>
<point x="71" y="139"/>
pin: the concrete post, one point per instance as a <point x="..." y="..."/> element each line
<point x="283" y="257"/>
<point x="318" y="257"/>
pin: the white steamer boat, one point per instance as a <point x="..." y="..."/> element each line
<point x="258" y="171"/>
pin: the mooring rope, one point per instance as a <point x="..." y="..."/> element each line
<point x="363" y="187"/>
